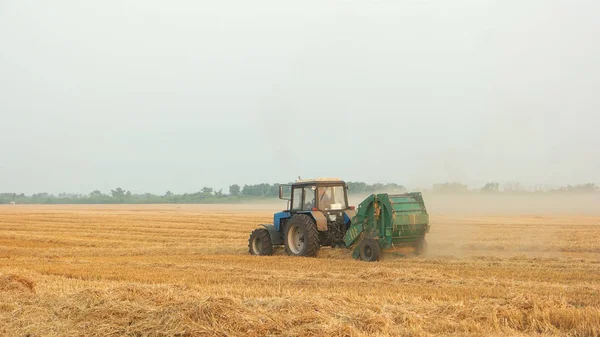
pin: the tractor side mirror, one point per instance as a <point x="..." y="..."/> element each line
<point x="285" y="192"/>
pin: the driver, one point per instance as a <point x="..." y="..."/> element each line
<point x="324" y="198"/>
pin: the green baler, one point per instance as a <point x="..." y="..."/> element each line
<point x="387" y="221"/>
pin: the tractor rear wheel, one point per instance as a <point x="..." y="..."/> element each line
<point x="301" y="237"/>
<point x="369" y="250"/>
<point x="259" y="242"/>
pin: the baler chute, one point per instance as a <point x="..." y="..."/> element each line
<point x="385" y="221"/>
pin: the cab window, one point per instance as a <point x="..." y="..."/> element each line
<point x="332" y="198"/>
<point x="309" y="198"/>
<point x="297" y="199"/>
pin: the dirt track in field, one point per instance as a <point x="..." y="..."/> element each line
<point x="166" y="270"/>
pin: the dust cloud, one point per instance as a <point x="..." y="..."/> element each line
<point x="509" y="226"/>
<point x="502" y="226"/>
<point x="507" y="204"/>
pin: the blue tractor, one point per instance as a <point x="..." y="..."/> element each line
<point x="317" y="215"/>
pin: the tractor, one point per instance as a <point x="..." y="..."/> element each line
<point x="318" y="214"/>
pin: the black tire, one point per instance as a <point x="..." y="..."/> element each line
<point x="301" y="236"/>
<point x="369" y="250"/>
<point x="259" y="242"/>
<point x="421" y="247"/>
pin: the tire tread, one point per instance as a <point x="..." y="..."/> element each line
<point x="313" y="244"/>
<point x="263" y="234"/>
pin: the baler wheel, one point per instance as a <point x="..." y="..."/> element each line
<point x="259" y="242"/>
<point x="369" y="250"/>
<point x="301" y="236"/>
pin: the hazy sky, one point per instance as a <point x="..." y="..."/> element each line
<point x="175" y="95"/>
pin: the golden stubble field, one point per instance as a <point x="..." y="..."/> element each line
<point x="184" y="270"/>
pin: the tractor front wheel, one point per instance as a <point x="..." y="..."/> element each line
<point x="301" y="237"/>
<point x="259" y="242"/>
<point x="369" y="250"/>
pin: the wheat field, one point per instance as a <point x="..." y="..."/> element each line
<point x="184" y="270"/>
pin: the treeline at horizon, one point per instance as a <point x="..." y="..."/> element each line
<point x="237" y="193"/>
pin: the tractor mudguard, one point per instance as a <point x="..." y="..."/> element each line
<point x="276" y="237"/>
<point x="348" y="215"/>
<point x="320" y="219"/>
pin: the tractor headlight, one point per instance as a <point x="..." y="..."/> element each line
<point x="332" y="217"/>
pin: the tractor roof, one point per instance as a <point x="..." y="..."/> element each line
<point x="318" y="180"/>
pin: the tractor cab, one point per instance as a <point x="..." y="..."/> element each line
<point x="323" y="195"/>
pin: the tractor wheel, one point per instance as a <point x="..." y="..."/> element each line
<point x="369" y="250"/>
<point x="259" y="242"/>
<point x="301" y="237"/>
<point x="421" y="247"/>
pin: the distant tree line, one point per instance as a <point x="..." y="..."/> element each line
<point x="513" y="188"/>
<point x="239" y="193"/>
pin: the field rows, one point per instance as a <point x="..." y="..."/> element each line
<point x="171" y="270"/>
